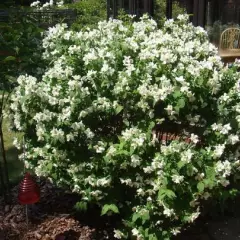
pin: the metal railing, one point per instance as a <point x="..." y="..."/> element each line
<point x="42" y="17"/>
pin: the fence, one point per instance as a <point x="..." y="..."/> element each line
<point x="44" y="18"/>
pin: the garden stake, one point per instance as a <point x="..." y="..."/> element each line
<point x="26" y="206"/>
<point x="29" y="191"/>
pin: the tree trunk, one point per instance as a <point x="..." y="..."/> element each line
<point x="5" y="169"/>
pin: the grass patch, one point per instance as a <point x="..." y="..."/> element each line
<point x="15" y="166"/>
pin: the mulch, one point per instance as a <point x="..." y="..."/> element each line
<point x="52" y="218"/>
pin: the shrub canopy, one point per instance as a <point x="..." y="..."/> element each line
<point x="140" y="120"/>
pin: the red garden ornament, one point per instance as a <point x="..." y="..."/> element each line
<point x="29" y="191"/>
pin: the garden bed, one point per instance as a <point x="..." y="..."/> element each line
<point x="52" y="218"/>
<point x="55" y="218"/>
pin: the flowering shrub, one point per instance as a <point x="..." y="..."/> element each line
<point x="93" y="121"/>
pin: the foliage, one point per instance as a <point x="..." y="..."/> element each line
<point x="6" y="3"/>
<point x="20" y="50"/>
<point x="15" y="167"/>
<point x="160" y="10"/>
<point x="20" y="53"/>
<point x="90" y="12"/>
<point x="90" y="124"/>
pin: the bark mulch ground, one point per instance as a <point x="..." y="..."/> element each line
<point x="54" y="218"/>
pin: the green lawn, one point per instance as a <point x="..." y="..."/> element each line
<point x="15" y="167"/>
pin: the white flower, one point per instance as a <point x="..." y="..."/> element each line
<point x="225" y="129"/>
<point x="186" y="156"/>
<point x="223" y="168"/>
<point x="194" y="138"/>
<point x="180" y="79"/>
<point x="89" y="133"/>
<point x="177" y="179"/>
<point x="149" y="199"/>
<point x="16" y="143"/>
<point x="206" y="195"/>
<point x="139" y="140"/>
<point x="135" y="160"/>
<point x="168" y="212"/>
<point x="224" y="182"/>
<point x="111" y="151"/>
<point x="148" y="169"/>
<point x="200" y="176"/>
<point x="59" y="4"/>
<point x="118" y="234"/>
<point x="135" y="232"/>
<point x="140" y="192"/>
<point x="194" y="216"/>
<point x="225" y="97"/>
<point x="218" y="151"/>
<point x="57" y="134"/>
<point x="35" y="4"/>
<point x="194" y="203"/>
<point x="233" y="139"/>
<point x="104" y="182"/>
<point x="99" y="147"/>
<point x="70" y="137"/>
<point x="128" y="181"/>
<point x="170" y="110"/>
<point x="175" y="231"/>
<point x="216" y="127"/>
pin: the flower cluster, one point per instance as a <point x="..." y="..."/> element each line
<point x="39" y="6"/>
<point x="135" y="117"/>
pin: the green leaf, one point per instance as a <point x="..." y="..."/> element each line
<point x="135" y="217"/>
<point x="4" y="25"/>
<point x="9" y="58"/>
<point x="81" y="206"/>
<point x="49" y="166"/>
<point x="170" y="194"/>
<point x="209" y="183"/>
<point x="210" y="172"/>
<point x="109" y="207"/>
<point x="177" y="94"/>
<point x="126" y="122"/>
<point x="163" y="193"/>
<point x="200" y="186"/>
<point x="17" y="49"/>
<point x="181" y="103"/>
<point x="152" y="237"/>
<point x="181" y="164"/>
<point x="119" y="109"/>
<point x="200" y="80"/>
<point x="145" y="217"/>
<point x="54" y="176"/>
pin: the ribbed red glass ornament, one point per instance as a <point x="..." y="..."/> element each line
<point x="29" y="191"/>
